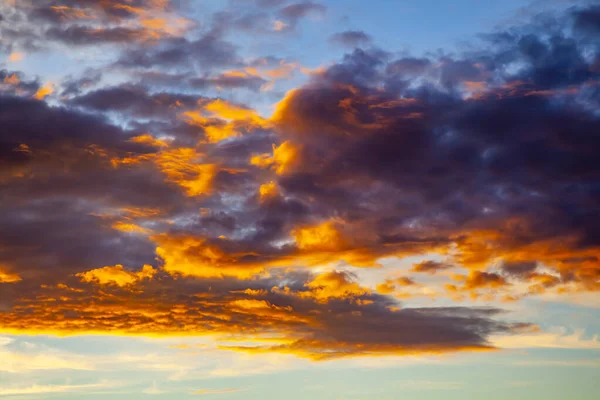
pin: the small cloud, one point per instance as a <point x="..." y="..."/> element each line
<point x="44" y="91"/>
<point x="16" y="56"/>
<point x="350" y="38"/>
<point x="217" y="391"/>
<point x="8" y="277"/>
<point x="153" y="389"/>
<point x="431" y="385"/>
<point x="45" y="389"/>
<point x="430" y="267"/>
<point x="279" y="26"/>
<point x="595" y="363"/>
<point x="559" y="339"/>
<point x="521" y="383"/>
<point x="116" y="275"/>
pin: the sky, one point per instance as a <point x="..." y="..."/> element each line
<point x="328" y="199"/>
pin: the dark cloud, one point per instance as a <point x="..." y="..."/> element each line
<point x="300" y="10"/>
<point x="135" y="101"/>
<point x="49" y="239"/>
<point x="205" y="53"/>
<point x="478" y="280"/>
<point x="231" y="81"/>
<point x="75" y="86"/>
<point x="77" y="35"/>
<point x="33" y="122"/>
<point x="467" y="143"/>
<point x="430" y="267"/>
<point x="587" y="21"/>
<point x="518" y="269"/>
<point x="294" y="13"/>
<point x="13" y="82"/>
<point x="488" y="158"/>
<point x="270" y="3"/>
<point x="353" y="324"/>
<point x="351" y="38"/>
<point x="40" y="25"/>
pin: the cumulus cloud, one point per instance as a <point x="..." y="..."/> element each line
<point x="247" y="226"/>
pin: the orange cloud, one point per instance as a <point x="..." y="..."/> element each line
<point x="334" y="285"/>
<point x="389" y="286"/>
<point x="161" y="26"/>
<point x="479" y="279"/>
<point x="331" y="316"/>
<point x="317" y="350"/>
<point x="66" y="12"/>
<point x="181" y="166"/>
<point x="130" y="228"/>
<point x="44" y="91"/>
<point x="480" y="249"/>
<point x="226" y="110"/>
<point x="8" y="277"/>
<point x="279" y="26"/>
<point x="194" y="256"/>
<point x="326" y="236"/>
<point x="268" y="191"/>
<point x="133" y="10"/>
<point x="226" y="119"/>
<point x="117" y="275"/>
<point x="284" y="70"/>
<point x="386" y="288"/>
<point x="285" y="157"/>
<point x="12" y="79"/>
<point x="215" y="132"/>
<point x="16" y="56"/>
<point x="149" y="140"/>
<point x="138" y="212"/>
<point x="198" y="256"/>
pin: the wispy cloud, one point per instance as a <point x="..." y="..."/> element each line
<point x="216" y="391"/>
<point x="595" y="363"/>
<point x="40" y="358"/>
<point x="48" y="389"/>
<point x="559" y="339"/>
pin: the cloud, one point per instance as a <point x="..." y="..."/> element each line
<point x="44" y="91"/>
<point x="87" y="36"/>
<point x="18" y="362"/>
<point x="431" y="385"/>
<point x="317" y="317"/>
<point x="43" y="24"/>
<point x="350" y="38"/>
<point x="390" y="285"/>
<point x="210" y="51"/>
<point x="8" y="277"/>
<point x="117" y="275"/>
<point x="15" y="57"/>
<point x="249" y="228"/>
<point x="299" y="10"/>
<point x="560" y="363"/>
<point x="370" y="128"/>
<point x="216" y="391"/>
<point x="430" y="267"/>
<point x="134" y="101"/>
<point x="559" y="339"/>
<point x="153" y="390"/>
<point x="519" y="268"/>
<point x="46" y="389"/>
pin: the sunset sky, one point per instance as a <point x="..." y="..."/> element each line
<point x="288" y="199"/>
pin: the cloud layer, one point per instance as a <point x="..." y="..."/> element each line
<point x="136" y="201"/>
